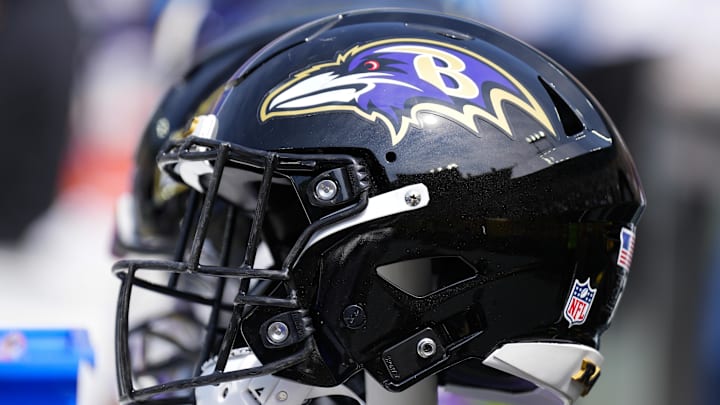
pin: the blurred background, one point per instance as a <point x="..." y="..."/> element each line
<point x="79" y="80"/>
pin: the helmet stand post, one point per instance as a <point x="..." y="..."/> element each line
<point x="422" y="393"/>
<point x="414" y="277"/>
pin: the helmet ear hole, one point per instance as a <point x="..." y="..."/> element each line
<point x="423" y="277"/>
<point x="390" y="157"/>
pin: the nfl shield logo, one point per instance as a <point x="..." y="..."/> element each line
<point x="579" y="303"/>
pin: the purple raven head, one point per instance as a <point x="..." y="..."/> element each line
<point x="393" y="80"/>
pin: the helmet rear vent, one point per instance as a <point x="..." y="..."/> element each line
<point x="572" y="125"/>
<point x="426" y="276"/>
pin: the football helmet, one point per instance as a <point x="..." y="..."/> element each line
<point x="401" y="192"/>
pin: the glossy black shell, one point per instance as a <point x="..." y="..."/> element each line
<point x="529" y="215"/>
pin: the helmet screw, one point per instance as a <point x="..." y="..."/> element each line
<point x="413" y="198"/>
<point x="354" y="316"/>
<point x="277" y="332"/>
<point x="282" y="396"/>
<point x="326" y="190"/>
<point x="162" y="127"/>
<point x="426" y="347"/>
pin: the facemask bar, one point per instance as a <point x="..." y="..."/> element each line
<point x="193" y="149"/>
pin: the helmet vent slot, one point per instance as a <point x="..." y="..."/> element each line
<point x="426" y="276"/>
<point x="572" y="125"/>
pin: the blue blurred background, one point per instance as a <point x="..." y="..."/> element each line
<point x="80" y="78"/>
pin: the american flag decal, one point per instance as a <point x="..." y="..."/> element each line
<point x="579" y="303"/>
<point x="627" y="246"/>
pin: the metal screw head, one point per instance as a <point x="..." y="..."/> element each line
<point x="282" y="396"/>
<point x="326" y="190"/>
<point x="426" y="347"/>
<point x="413" y="198"/>
<point x="354" y="316"/>
<point x="277" y="332"/>
<point x="162" y="127"/>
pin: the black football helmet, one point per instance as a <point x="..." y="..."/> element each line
<point x="426" y="194"/>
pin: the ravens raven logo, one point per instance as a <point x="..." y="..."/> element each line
<point x="392" y="80"/>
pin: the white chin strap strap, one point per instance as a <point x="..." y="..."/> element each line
<point x="566" y="370"/>
<point x="263" y="390"/>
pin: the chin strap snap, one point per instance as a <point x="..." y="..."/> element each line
<point x="587" y="376"/>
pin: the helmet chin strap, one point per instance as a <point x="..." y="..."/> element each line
<point x="263" y="390"/>
<point x="569" y="370"/>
